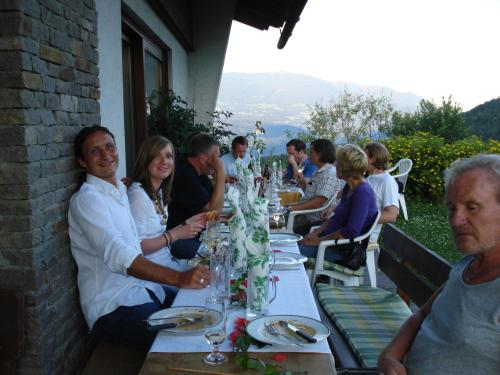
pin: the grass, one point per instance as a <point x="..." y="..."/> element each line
<point x="428" y="224"/>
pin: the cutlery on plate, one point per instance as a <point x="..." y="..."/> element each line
<point x="299" y="331"/>
<point x="273" y="331"/>
<point x="182" y="322"/>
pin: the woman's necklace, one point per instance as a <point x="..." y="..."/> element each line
<point x="160" y="208"/>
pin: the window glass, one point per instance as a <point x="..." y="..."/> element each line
<point x="152" y="75"/>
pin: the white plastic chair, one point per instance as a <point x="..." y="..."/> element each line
<point x="292" y="214"/>
<point x="403" y="168"/>
<point x="348" y="280"/>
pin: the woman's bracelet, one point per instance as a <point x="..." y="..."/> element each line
<point x="167" y="242"/>
<point x="170" y="239"/>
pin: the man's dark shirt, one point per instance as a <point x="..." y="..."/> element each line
<point x="190" y="193"/>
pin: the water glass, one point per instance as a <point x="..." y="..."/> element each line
<point x="215" y="334"/>
<point x="219" y="275"/>
<point x="259" y="294"/>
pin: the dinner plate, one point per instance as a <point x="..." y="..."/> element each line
<point x="256" y="328"/>
<point x="176" y="315"/>
<point x="284" y="260"/>
<point x="284" y="237"/>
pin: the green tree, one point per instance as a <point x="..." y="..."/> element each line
<point x="445" y="121"/>
<point x="484" y="120"/>
<point x="351" y="117"/>
<point x="170" y="116"/>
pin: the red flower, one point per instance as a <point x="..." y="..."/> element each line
<point x="234" y="336"/>
<point x="245" y="283"/>
<point x="240" y="324"/>
<point x="279" y="357"/>
<point x="276" y="278"/>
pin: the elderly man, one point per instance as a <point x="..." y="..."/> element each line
<point x="239" y="147"/>
<point x="300" y="169"/>
<point x="119" y="287"/>
<point x="458" y="330"/>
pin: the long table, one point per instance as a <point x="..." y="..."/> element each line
<point x="169" y="352"/>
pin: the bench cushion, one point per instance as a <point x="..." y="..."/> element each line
<point x="367" y="317"/>
<point x="330" y="266"/>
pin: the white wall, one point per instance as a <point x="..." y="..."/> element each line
<point x="109" y="34"/>
<point x="212" y="20"/>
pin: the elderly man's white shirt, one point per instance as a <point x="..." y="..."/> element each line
<point x="230" y="163"/>
<point x="104" y="243"/>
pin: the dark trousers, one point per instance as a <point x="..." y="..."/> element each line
<point x="126" y="325"/>
<point x="185" y="249"/>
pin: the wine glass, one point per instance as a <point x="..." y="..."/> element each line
<point x="276" y="217"/>
<point x="215" y="331"/>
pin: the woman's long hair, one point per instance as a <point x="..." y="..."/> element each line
<point x="150" y="149"/>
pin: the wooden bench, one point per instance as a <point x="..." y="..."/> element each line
<point x="363" y="319"/>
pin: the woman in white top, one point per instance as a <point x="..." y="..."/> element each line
<point x="149" y="195"/>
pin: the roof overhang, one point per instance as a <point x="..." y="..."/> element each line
<point x="262" y="14"/>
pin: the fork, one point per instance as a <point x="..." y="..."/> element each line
<point x="273" y="331"/>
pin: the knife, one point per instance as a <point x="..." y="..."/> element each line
<point x="298" y="331"/>
<point x="156" y="327"/>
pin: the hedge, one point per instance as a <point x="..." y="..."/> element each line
<point x="431" y="155"/>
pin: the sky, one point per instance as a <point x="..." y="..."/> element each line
<point x="432" y="48"/>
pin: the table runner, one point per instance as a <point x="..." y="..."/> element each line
<point x="294" y="297"/>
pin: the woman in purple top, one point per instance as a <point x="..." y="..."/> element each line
<point x="356" y="211"/>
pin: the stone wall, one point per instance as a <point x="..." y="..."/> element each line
<point x="49" y="89"/>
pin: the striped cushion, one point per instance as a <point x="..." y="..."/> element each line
<point x="330" y="266"/>
<point x="367" y="317"/>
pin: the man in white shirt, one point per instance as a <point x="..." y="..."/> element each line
<point x="119" y="287"/>
<point x="239" y="147"/>
<point x="384" y="185"/>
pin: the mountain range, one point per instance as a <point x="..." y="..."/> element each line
<point x="281" y="100"/>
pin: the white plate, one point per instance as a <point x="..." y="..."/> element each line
<point x="314" y="327"/>
<point x="284" y="237"/>
<point x="169" y="315"/>
<point x="284" y="260"/>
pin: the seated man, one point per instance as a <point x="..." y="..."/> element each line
<point x="192" y="190"/>
<point x="239" y="147"/>
<point x="458" y="330"/>
<point x="384" y="185"/>
<point x="300" y="169"/>
<point x="119" y="288"/>
<point x="320" y="189"/>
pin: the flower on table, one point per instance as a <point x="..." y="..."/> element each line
<point x="279" y="357"/>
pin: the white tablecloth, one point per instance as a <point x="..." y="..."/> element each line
<point x="294" y="297"/>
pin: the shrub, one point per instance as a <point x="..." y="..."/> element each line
<point x="431" y="155"/>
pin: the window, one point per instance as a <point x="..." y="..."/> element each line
<point x="144" y="60"/>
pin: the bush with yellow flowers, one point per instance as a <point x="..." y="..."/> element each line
<point x="431" y="155"/>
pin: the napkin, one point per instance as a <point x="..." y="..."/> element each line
<point x="256" y="168"/>
<point x="237" y="232"/>
<point x="259" y="256"/>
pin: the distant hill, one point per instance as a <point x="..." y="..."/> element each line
<point x="484" y="120"/>
<point x="280" y="101"/>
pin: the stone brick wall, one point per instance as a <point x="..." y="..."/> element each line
<point x="49" y="89"/>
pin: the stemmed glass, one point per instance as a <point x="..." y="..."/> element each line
<point x="276" y="217"/>
<point x="215" y="334"/>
